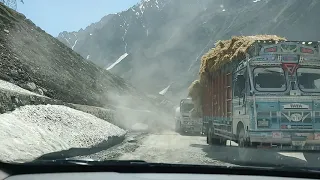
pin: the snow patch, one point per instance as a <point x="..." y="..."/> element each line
<point x="67" y="40"/>
<point x="74" y="44"/>
<point x="118" y="61"/>
<point x="157" y="4"/>
<point x="125" y="24"/>
<point x="222" y="6"/>
<point x="7" y="86"/>
<point x="33" y="130"/>
<point x="164" y="91"/>
<point x="141" y="7"/>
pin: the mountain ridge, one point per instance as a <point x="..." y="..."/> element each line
<point x="166" y="39"/>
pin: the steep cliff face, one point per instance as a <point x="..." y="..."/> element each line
<point x="36" y="61"/>
<point x="162" y="41"/>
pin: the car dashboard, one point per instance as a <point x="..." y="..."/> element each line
<point x="138" y="176"/>
<point x="136" y="170"/>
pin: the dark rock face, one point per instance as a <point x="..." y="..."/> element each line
<point x="166" y="39"/>
<point x="34" y="60"/>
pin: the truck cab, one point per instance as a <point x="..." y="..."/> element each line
<point x="270" y="99"/>
<point x="185" y="122"/>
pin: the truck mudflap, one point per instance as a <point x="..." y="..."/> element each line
<point x="286" y="140"/>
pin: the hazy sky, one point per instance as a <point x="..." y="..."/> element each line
<point x="55" y="16"/>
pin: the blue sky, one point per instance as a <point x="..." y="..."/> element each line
<point x="55" y="16"/>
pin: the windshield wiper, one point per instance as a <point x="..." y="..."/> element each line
<point x="85" y="162"/>
<point x="93" y="162"/>
<point x="280" y="167"/>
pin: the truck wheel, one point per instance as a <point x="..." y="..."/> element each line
<point x="243" y="149"/>
<point x="177" y="127"/>
<point x="209" y="138"/>
<point x="213" y="139"/>
<point x="223" y="142"/>
<point x="204" y="131"/>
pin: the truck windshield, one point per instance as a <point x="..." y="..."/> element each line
<point x="309" y="79"/>
<point x="269" y="79"/>
<point x="186" y="107"/>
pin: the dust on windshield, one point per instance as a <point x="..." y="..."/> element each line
<point x="107" y="72"/>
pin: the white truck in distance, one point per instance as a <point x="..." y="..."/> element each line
<point x="184" y="121"/>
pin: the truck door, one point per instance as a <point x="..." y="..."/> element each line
<point x="239" y="107"/>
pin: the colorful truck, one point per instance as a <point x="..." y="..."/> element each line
<point x="185" y="122"/>
<point x="263" y="93"/>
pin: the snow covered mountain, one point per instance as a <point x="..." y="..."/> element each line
<point x="158" y="43"/>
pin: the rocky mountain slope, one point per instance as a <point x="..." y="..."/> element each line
<point x="36" y="61"/>
<point x="163" y="40"/>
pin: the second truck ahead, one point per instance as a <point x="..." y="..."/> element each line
<point x="266" y="93"/>
<point x="185" y="119"/>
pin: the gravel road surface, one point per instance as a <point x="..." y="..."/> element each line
<point x="171" y="147"/>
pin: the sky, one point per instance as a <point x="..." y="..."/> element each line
<point x="55" y="16"/>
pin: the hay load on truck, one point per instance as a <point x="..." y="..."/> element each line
<point x="186" y="120"/>
<point x="261" y="91"/>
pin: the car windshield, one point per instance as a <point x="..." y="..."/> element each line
<point x="105" y="80"/>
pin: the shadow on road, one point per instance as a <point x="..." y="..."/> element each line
<point x="190" y="134"/>
<point x="114" y="140"/>
<point x="230" y="154"/>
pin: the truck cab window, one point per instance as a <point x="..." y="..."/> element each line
<point x="269" y="79"/>
<point x="309" y="79"/>
<point x="239" y="84"/>
<point x="185" y="108"/>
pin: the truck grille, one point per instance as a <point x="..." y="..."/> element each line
<point x="296" y="117"/>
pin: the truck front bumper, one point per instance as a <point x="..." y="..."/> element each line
<point x="287" y="140"/>
<point x="192" y="127"/>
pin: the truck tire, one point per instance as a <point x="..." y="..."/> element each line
<point x="204" y="130"/>
<point x="242" y="150"/>
<point x="245" y="154"/>
<point x="181" y="129"/>
<point x="213" y="139"/>
<point x="177" y="127"/>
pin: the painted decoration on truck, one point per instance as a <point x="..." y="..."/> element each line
<point x="290" y="67"/>
<point x="296" y="106"/>
<point x="265" y="58"/>
<point x="296" y="117"/>
<point x="289" y="58"/>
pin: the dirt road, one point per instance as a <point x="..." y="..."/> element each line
<point x="171" y="147"/>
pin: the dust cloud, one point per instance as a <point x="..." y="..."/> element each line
<point x="165" y="58"/>
<point x="135" y="113"/>
<point x="162" y="60"/>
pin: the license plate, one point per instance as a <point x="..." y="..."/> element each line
<point x="298" y="143"/>
<point x="277" y="135"/>
<point x="317" y="136"/>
